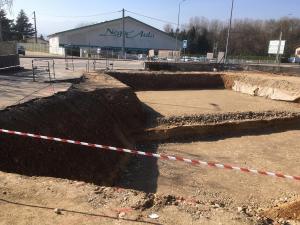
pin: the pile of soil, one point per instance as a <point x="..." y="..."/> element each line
<point x="287" y="211"/>
<point x="276" y="87"/>
<point x="95" y="111"/>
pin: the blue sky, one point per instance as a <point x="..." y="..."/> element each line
<point x="49" y="12"/>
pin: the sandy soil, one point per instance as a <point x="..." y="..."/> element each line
<point x="272" y="152"/>
<point x="188" y="102"/>
<point x="185" y="194"/>
<point x="265" y="76"/>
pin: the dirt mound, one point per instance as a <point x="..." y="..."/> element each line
<point x="95" y="111"/>
<point x="275" y="87"/>
<point x="287" y="211"/>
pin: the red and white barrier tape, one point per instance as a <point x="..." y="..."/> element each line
<point x="153" y="155"/>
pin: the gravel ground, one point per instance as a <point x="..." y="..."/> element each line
<point x="226" y="117"/>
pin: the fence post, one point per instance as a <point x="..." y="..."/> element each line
<point x="33" y="75"/>
<point x="49" y="72"/>
<point x="67" y="63"/>
<point x="53" y="69"/>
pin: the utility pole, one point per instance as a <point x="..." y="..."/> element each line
<point x="123" y="33"/>
<point x="279" y="48"/>
<point x="35" y="35"/>
<point x="1" y="39"/>
<point x="178" y="20"/>
<point x="228" y="33"/>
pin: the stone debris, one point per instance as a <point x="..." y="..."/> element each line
<point x="153" y="216"/>
<point x="58" y="211"/>
<point x="122" y="215"/>
<point x="224" y="117"/>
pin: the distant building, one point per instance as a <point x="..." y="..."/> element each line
<point x="139" y="38"/>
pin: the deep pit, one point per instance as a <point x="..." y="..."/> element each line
<point x="91" y="111"/>
<point x="114" y="109"/>
<point x="223" y="117"/>
<point x="196" y="105"/>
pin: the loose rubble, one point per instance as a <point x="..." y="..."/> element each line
<point x="224" y="117"/>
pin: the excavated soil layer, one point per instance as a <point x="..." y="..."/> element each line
<point x="219" y="126"/>
<point x="143" y="80"/>
<point x="267" y="85"/>
<point x="103" y="110"/>
<point x="99" y="110"/>
<point x="216" y="124"/>
<point x="205" y="119"/>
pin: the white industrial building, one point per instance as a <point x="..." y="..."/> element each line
<point x="139" y="37"/>
<point x="297" y="52"/>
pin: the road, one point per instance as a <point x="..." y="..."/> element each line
<point x="82" y="64"/>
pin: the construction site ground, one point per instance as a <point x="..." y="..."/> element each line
<point x="190" y="102"/>
<point x="168" y="191"/>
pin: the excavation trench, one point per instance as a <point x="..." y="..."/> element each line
<point x="218" y="105"/>
<point x="98" y="110"/>
<point x="104" y="109"/>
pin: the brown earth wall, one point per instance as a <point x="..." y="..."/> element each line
<point x="105" y="116"/>
<point x="168" y="80"/>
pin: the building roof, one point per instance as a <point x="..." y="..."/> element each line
<point x="97" y="24"/>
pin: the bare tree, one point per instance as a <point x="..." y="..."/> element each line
<point x="6" y="4"/>
<point x="168" y="28"/>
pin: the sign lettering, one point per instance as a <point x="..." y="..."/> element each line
<point x="128" y="34"/>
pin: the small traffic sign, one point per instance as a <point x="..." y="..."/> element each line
<point x="184" y="44"/>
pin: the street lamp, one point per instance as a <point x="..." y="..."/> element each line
<point x="179" y="8"/>
<point x="228" y="32"/>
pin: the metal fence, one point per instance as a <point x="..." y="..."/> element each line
<point x="43" y="67"/>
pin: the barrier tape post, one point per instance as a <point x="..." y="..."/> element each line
<point x="153" y="155"/>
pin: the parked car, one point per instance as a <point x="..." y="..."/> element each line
<point x="170" y="60"/>
<point x="185" y="59"/>
<point x="195" y="59"/>
<point x="294" y="60"/>
<point x="21" y="50"/>
<point x="284" y="60"/>
<point x="142" y="56"/>
<point x="213" y="60"/>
